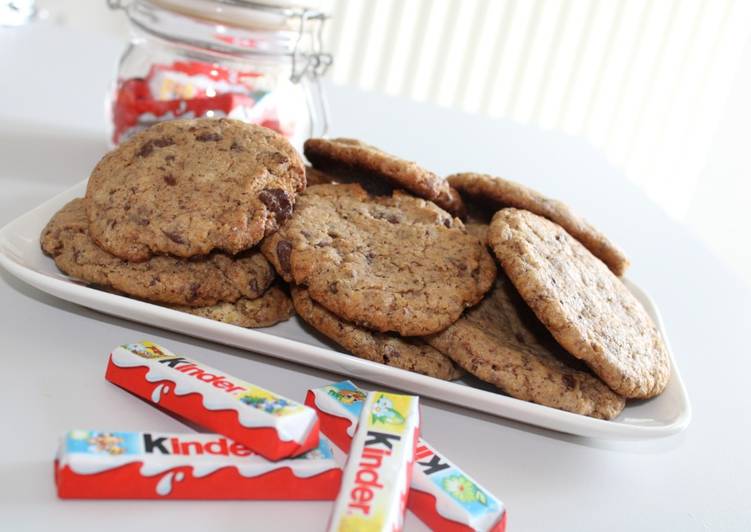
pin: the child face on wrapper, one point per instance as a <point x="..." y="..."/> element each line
<point x="105" y="442"/>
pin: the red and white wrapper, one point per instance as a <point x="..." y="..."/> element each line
<point x="373" y="495"/>
<point x="193" y="89"/>
<point x="270" y="425"/>
<point x="144" y="465"/>
<point x="441" y="494"/>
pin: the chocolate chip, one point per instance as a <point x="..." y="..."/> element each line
<point x="170" y="180"/>
<point x="333" y="288"/>
<point x="283" y="252"/>
<point x="193" y="291"/>
<point x="447" y="222"/>
<point x="390" y="217"/>
<point x="519" y="338"/>
<point x="177" y="239"/>
<point x="390" y="353"/>
<point x="569" y="381"/>
<point x="274" y="158"/>
<point x="169" y="158"/>
<point x="148" y="147"/>
<point x="208" y="136"/>
<point x="236" y="146"/>
<point x="277" y="202"/>
<point x="254" y="286"/>
<point x="143" y="221"/>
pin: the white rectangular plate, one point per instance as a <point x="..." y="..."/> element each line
<point x="21" y="256"/>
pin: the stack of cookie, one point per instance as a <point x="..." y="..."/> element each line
<point x="379" y="264"/>
<point x="174" y="216"/>
<point x="202" y="215"/>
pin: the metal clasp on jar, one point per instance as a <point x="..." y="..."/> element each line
<point x="317" y="62"/>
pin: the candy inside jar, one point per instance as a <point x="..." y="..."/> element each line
<point x="259" y="63"/>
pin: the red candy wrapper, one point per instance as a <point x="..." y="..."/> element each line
<point x="373" y="495"/>
<point x="270" y="425"/>
<point x="441" y="495"/>
<point x="192" y="89"/>
<point x="143" y="465"/>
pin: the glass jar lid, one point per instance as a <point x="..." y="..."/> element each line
<point x="272" y="15"/>
<point x="280" y="29"/>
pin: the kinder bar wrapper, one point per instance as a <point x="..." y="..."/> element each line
<point x="373" y="495"/>
<point x="144" y="465"/>
<point x="441" y="494"/>
<point x="273" y="426"/>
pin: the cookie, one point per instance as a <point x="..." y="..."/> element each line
<point x="162" y="279"/>
<point x="318" y="177"/>
<point x="504" y="193"/>
<point x="387" y="263"/>
<point x="411" y="354"/>
<point x="357" y="159"/>
<point x="478" y="230"/>
<point x="187" y="187"/>
<point x="582" y="303"/>
<point x="271" y="308"/>
<point x="501" y="342"/>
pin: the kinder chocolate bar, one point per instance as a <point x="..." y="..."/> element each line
<point x="373" y="495"/>
<point x="441" y="494"/>
<point x="144" y="465"/>
<point x="273" y="426"/>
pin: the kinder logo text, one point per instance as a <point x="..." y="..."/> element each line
<point x="367" y="482"/>
<point x="428" y="461"/>
<point x="184" y="447"/>
<point x="192" y="369"/>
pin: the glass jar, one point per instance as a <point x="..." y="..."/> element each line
<point x="252" y="61"/>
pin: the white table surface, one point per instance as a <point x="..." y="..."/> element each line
<point x="51" y="134"/>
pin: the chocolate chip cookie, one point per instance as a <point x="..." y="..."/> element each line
<point x="387" y="263"/>
<point x="318" y="177"/>
<point x="163" y="279"/>
<point x="411" y="354"/>
<point x="582" y="303"/>
<point x="504" y="193"/>
<point x="359" y="160"/>
<point x="187" y="187"/>
<point x="501" y="342"/>
<point x="478" y="230"/>
<point x="271" y="308"/>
